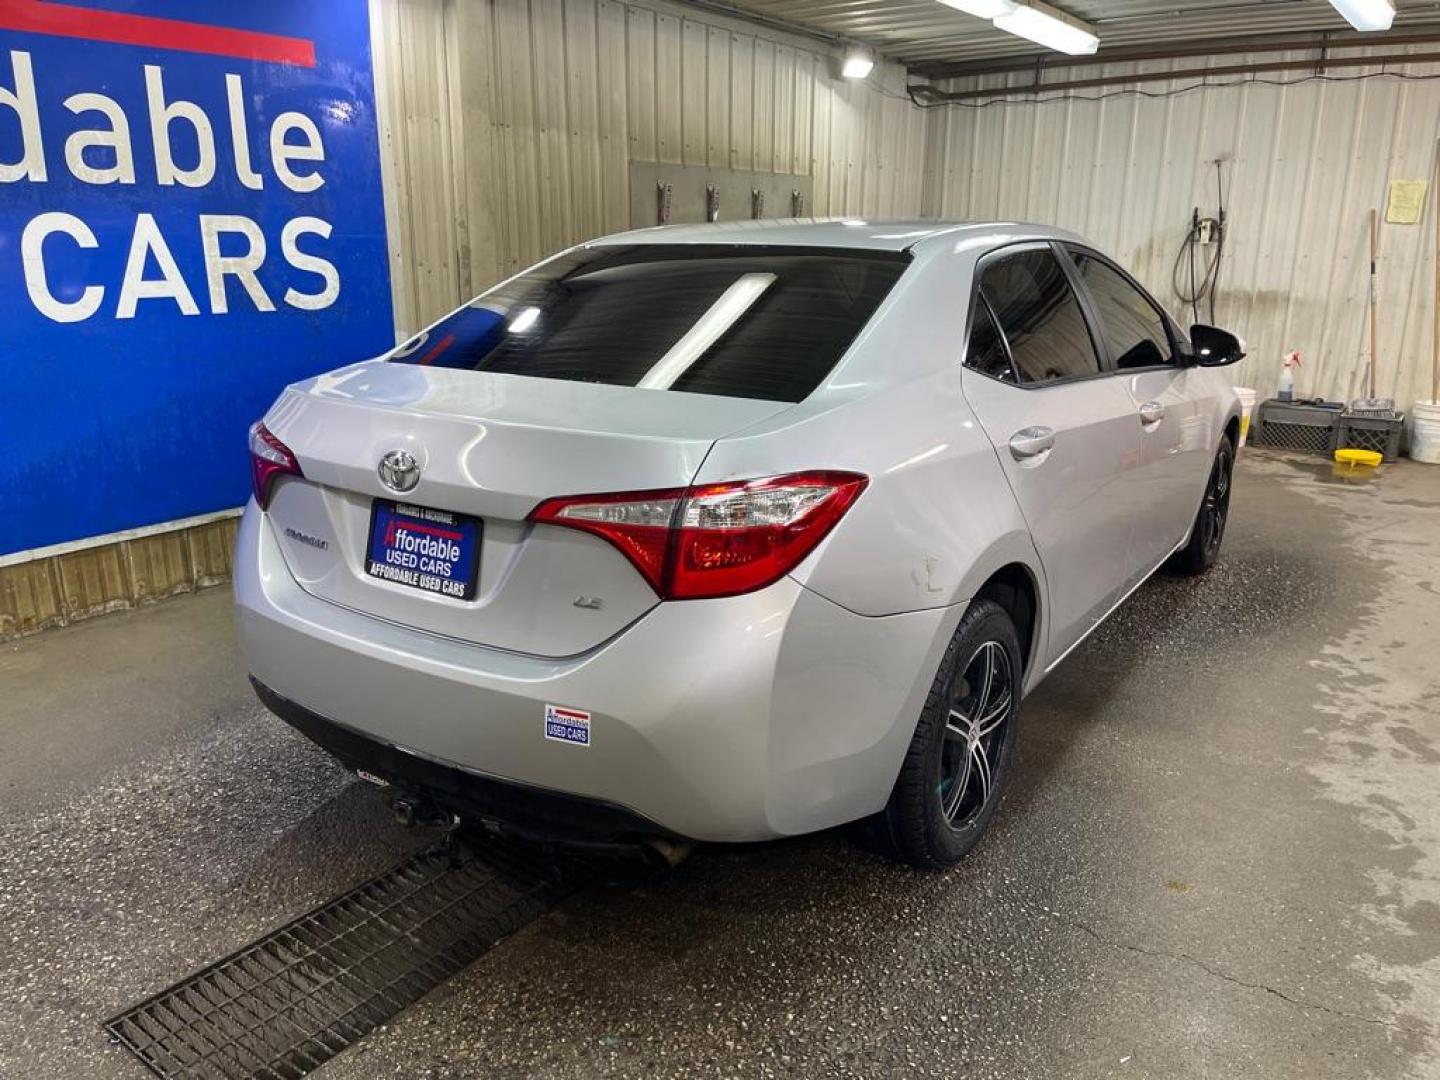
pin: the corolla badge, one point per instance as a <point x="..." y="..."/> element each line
<point x="399" y="471"/>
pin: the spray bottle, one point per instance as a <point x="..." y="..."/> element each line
<point x="1287" y="377"/>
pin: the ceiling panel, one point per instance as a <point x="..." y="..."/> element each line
<point x="921" y="32"/>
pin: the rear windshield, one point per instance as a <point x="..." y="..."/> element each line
<point x="739" y="321"/>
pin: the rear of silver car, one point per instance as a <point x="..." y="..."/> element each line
<point x="508" y="594"/>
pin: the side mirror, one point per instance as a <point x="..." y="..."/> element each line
<point x="1213" y="347"/>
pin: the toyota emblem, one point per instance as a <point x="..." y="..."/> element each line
<point x="399" y="471"/>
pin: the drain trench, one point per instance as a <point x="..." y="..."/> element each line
<point x="285" y="1004"/>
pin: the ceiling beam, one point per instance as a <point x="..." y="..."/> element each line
<point x="1322" y="41"/>
<point x="928" y="94"/>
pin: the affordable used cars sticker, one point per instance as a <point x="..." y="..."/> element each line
<point x="567" y="725"/>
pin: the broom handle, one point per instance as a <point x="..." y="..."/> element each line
<point x="1435" y="346"/>
<point x="1374" y="244"/>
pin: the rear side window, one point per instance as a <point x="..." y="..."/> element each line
<point x="1134" y="331"/>
<point x="738" y="320"/>
<point x="986" y="351"/>
<point x="1040" y="316"/>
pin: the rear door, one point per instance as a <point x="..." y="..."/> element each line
<point x="1173" y="440"/>
<point x="1064" y="431"/>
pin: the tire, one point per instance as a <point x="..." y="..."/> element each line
<point x="946" y="792"/>
<point x="1206" y="534"/>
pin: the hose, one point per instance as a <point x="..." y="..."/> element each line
<point x="1207" y="284"/>
<point x="1203" y="287"/>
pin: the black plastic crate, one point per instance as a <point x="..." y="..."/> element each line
<point x="1378" y="433"/>
<point x="1297" y="427"/>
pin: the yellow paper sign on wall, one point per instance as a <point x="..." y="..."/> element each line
<point x="1406" y="202"/>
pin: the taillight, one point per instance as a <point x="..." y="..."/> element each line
<point x="637" y="522"/>
<point x="716" y="539"/>
<point x="270" y="459"/>
<point x="739" y="537"/>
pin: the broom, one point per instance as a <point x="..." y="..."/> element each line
<point x="1435" y="346"/>
<point x="1374" y="406"/>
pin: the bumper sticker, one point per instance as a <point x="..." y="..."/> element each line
<point x="567" y="725"/>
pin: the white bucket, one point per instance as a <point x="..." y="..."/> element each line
<point x="1247" y="406"/>
<point x="1425" y="431"/>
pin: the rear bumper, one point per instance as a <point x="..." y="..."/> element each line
<point x="744" y="718"/>
<point x="472" y="795"/>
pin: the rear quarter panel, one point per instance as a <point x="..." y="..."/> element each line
<point x="937" y="517"/>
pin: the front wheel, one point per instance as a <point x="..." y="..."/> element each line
<point x="1203" y="549"/>
<point x="955" y="770"/>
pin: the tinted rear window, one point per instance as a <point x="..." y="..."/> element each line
<point x="739" y="321"/>
<point x="986" y="351"/>
<point x="1040" y="316"/>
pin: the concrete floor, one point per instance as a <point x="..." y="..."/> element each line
<point x="1220" y="856"/>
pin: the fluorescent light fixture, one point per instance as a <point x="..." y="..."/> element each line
<point x="721" y="316"/>
<point x="1044" y="25"/>
<point x="982" y="9"/>
<point x="524" y="320"/>
<point x="858" y="64"/>
<point x="1366" y="14"/>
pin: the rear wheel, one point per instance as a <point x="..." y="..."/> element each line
<point x="1203" y="549"/>
<point x="955" y="770"/>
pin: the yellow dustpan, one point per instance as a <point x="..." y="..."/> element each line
<point x="1353" y="457"/>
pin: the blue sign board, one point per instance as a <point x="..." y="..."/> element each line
<point x="191" y="217"/>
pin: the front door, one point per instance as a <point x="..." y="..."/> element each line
<point x="1065" y="433"/>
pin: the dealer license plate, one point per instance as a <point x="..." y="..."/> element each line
<point x="431" y="550"/>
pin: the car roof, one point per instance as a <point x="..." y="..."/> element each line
<point x="867" y="234"/>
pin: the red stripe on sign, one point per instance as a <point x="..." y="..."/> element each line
<point x="447" y="534"/>
<point x="91" y="24"/>
<point x="440" y="346"/>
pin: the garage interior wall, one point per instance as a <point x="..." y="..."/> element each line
<point x="507" y="127"/>
<point x="1303" y="166"/>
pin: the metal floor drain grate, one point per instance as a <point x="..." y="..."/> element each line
<point x="283" y="1005"/>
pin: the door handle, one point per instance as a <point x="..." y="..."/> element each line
<point x="1151" y="413"/>
<point x="1030" y="443"/>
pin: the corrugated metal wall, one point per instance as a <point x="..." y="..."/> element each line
<point x="414" y="47"/>
<point x="506" y="131"/>
<point x="508" y="126"/>
<point x="1304" y="165"/>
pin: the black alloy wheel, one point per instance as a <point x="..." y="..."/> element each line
<point x="1203" y="547"/>
<point x="1216" y="504"/>
<point x="974" y="735"/>
<point x="953" y="775"/>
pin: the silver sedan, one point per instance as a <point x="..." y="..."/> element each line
<point x="730" y="532"/>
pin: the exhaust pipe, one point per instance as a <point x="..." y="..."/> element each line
<point x="671" y="852"/>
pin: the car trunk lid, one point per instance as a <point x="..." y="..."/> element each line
<point x="490" y="447"/>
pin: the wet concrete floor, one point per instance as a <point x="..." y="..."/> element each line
<point x="1220" y="856"/>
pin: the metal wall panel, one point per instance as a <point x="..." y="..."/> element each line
<point x="1304" y="164"/>
<point x="689" y="186"/>
<point x="413" y="91"/>
<point x="508" y="127"/>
